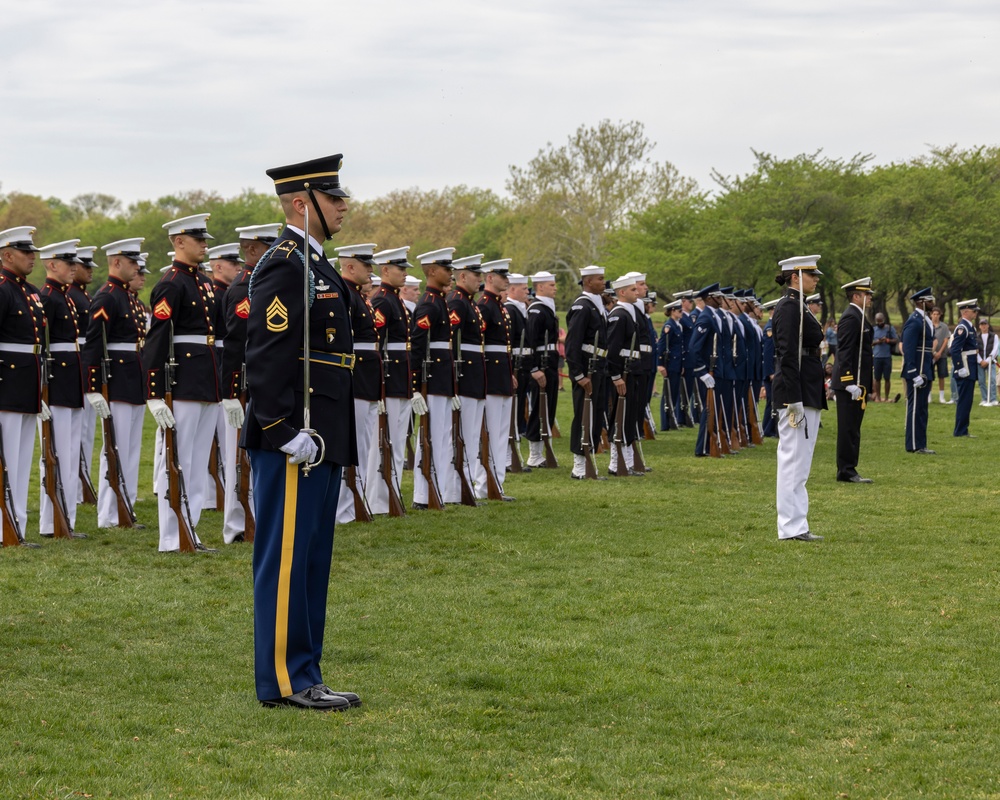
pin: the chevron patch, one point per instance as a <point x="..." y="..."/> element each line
<point x="163" y="310"/>
<point x="243" y="308"/>
<point x="277" y="316"/>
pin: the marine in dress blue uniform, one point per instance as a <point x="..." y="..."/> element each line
<point x="295" y="509"/>
<point x="918" y="370"/>
<point x="853" y="375"/>
<point x="81" y="298"/>
<point x="964" y="363"/>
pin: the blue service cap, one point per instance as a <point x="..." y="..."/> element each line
<point x="923" y="296"/>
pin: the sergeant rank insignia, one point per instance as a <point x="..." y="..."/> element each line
<point x="277" y="316"/>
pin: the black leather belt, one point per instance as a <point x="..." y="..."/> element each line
<point x="814" y="352"/>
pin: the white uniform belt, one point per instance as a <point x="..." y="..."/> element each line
<point x="472" y="348"/>
<point x="10" y="347"/>
<point x="220" y="342"/>
<point x="495" y="348"/>
<point x="371" y="347"/>
<point x="543" y="347"/>
<point x="645" y="348"/>
<point x="589" y="348"/>
<point x="969" y="352"/>
<point x="186" y="338"/>
<point x="439" y="345"/>
<point x="81" y="341"/>
<point x="123" y="347"/>
<point x="626" y="353"/>
<point x="397" y="346"/>
<point x="64" y="347"/>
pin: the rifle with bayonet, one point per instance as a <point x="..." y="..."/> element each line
<point x="544" y="422"/>
<point x="587" y="414"/>
<point x="386" y="462"/>
<point x="61" y="528"/>
<point x="12" y="536"/>
<point x="426" y="448"/>
<point x="457" y="437"/>
<point x="176" y="490"/>
<point x="115" y="475"/>
<point x="514" y="435"/>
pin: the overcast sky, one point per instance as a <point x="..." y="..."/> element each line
<point x="143" y="99"/>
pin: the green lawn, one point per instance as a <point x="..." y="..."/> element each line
<point x="628" y="638"/>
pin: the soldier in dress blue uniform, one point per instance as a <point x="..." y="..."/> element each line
<point x="918" y="370"/>
<point x="853" y="376"/>
<point x="769" y="423"/>
<point x="81" y="298"/>
<point x="356" y="266"/>
<point x="963" y="359"/>
<point x="431" y="342"/>
<point x="799" y="394"/>
<point x="295" y="506"/>
<point x="65" y="377"/>
<point x="22" y="335"/>
<point x="624" y="327"/>
<point x="586" y="323"/>
<point x="392" y="324"/>
<point x="115" y="319"/>
<point x="541" y="361"/>
<point x="670" y="352"/>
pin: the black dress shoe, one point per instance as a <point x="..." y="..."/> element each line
<point x="808" y="536"/>
<point x="47" y="535"/>
<point x="313" y="697"/>
<point x="507" y="498"/>
<point x="350" y="697"/>
<point x="138" y="527"/>
<point x="419" y="506"/>
<point x="526" y="468"/>
<point x="31" y="545"/>
<point x="925" y="452"/>
<point x="855" y="479"/>
<point x="896" y="398"/>
<point x="75" y="535"/>
<point x="199" y="547"/>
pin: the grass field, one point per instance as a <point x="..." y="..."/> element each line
<point x="630" y="638"/>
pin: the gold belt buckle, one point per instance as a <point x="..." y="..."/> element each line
<point x="211" y="340"/>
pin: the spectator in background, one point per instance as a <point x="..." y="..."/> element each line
<point x="941" y="334"/>
<point x="830" y="337"/>
<point x="884" y="341"/>
<point x="986" y="347"/>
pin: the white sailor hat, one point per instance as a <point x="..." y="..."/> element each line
<point x="19" y="238"/>
<point x="230" y="252"/>
<point x="501" y="266"/>
<point x="628" y="279"/>
<point x="470" y="263"/>
<point x="442" y="257"/>
<point x="591" y="270"/>
<point x="814" y="298"/>
<point x="961" y="305"/>
<point x="860" y="285"/>
<point x="170" y="255"/>
<point x="376" y="281"/>
<point x="195" y="226"/>
<point x="260" y="233"/>
<point x="770" y="304"/>
<point x="672" y="305"/>
<point x="130" y="248"/>
<point x="650" y="297"/>
<point x="517" y="279"/>
<point x="85" y="255"/>
<point x="542" y="277"/>
<point x="804" y="263"/>
<point x="359" y="252"/>
<point x="64" y="251"/>
<point x="395" y="257"/>
<point x="412" y="280"/>
<point x="639" y="276"/>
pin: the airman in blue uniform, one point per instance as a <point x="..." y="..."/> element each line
<point x="963" y="360"/>
<point x="918" y="370"/>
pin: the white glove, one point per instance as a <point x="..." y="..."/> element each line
<point x="301" y="448"/>
<point x="854" y="390"/>
<point x="46" y="414"/>
<point x="919" y="381"/>
<point x="234" y="412"/>
<point x="418" y="404"/>
<point x="796" y="411"/>
<point x="380" y="407"/>
<point x="161" y="413"/>
<point x="456" y="403"/>
<point x="708" y="380"/>
<point x="962" y="373"/>
<point x="99" y="404"/>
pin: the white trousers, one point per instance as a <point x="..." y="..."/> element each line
<point x="365" y="420"/>
<point x="128" y="437"/>
<point x="66" y="430"/>
<point x="439" y="408"/>
<point x="18" y="446"/>
<point x="87" y="443"/>
<point x="220" y="432"/>
<point x="472" y="429"/>
<point x="795" y="453"/>
<point x="497" y="415"/>
<point x="195" y="424"/>
<point x="398" y="412"/>
<point x="234" y="518"/>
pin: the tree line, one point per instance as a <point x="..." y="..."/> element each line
<point x="602" y="198"/>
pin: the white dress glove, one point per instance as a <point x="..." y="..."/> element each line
<point x="380" y="407"/>
<point x="796" y="412"/>
<point x="161" y="413"/>
<point x="919" y="381"/>
<point x="456" y="403"/>
<point x="99" y="404"/>
<point x="46" y="414"/>
<point x="234" y="412"/>
<point x="962" y="373"/>
<point x="418" y="404"/>
<point x="854" y="390"/>
<point x="708" y="380"/>
<point x="301" y="448"/>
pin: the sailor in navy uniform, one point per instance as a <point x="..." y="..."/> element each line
<point x="853" y="375"/>
<point x="541" y="362"/>
<point x="22" y="336"/>
<point x="356" y="265"/>
<point x="410" y="293"/>
<point x="918" y="370"/>
<point x="183" y="304"/>
<point x="81" y="298"/>
<point x="624" y="326"/>
<point x="65" y="377"/>
<point x="670" y="354"/>
<point x="115" y="319"/>
<point x="501" y="383"/>
<point x="769" y="423"/>
<point x="392" y="324"/>
<point x="799" y="394"/>
<point x="964" y="362"/>
<point x="295" y="507"/>
<point x="431" y="341"/>
<point x="518" y="304"/>
<point x="586" y="322"/>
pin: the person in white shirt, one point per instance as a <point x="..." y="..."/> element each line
<point x="987" y="348"/>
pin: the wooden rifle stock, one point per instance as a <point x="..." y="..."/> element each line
<point x="621" y="470"/>
<point x="396" y="508"/>
<point x="408" y="460"/>
<point x="586" y="443"/>
<point x="434" y="500"/>
<point x="243" y="492"/>
<point x="61" y="529"/>
<point x="361" y="511"/>
<point x="493" y="491"/>
<point x="458" y="441"/>
<point x="115" y="475"/>
<point x="216" y="470"/>
<point x="712" y="428"/>
<point x="176" y="492"/>
<point x="755" y="433"/>
<point x="545" y="428"/>
<point x="514" y="439"/>
<point x="89" y="495"/>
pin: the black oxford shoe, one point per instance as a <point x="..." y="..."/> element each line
<point x="808" y="536"/>
<point x="923" y="451"/>
<point x="313" y="697"/>
<point x="350" y="697"/>
<point x="855" y="479"/>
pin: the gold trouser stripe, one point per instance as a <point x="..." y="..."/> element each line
<point x="285" y="580"/>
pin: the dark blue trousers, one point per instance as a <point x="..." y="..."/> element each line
<point x="963" y="404"/>
<point x="916" y="415"/>
<point x="769" y="422"/>
<point x="292" y="550"/>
